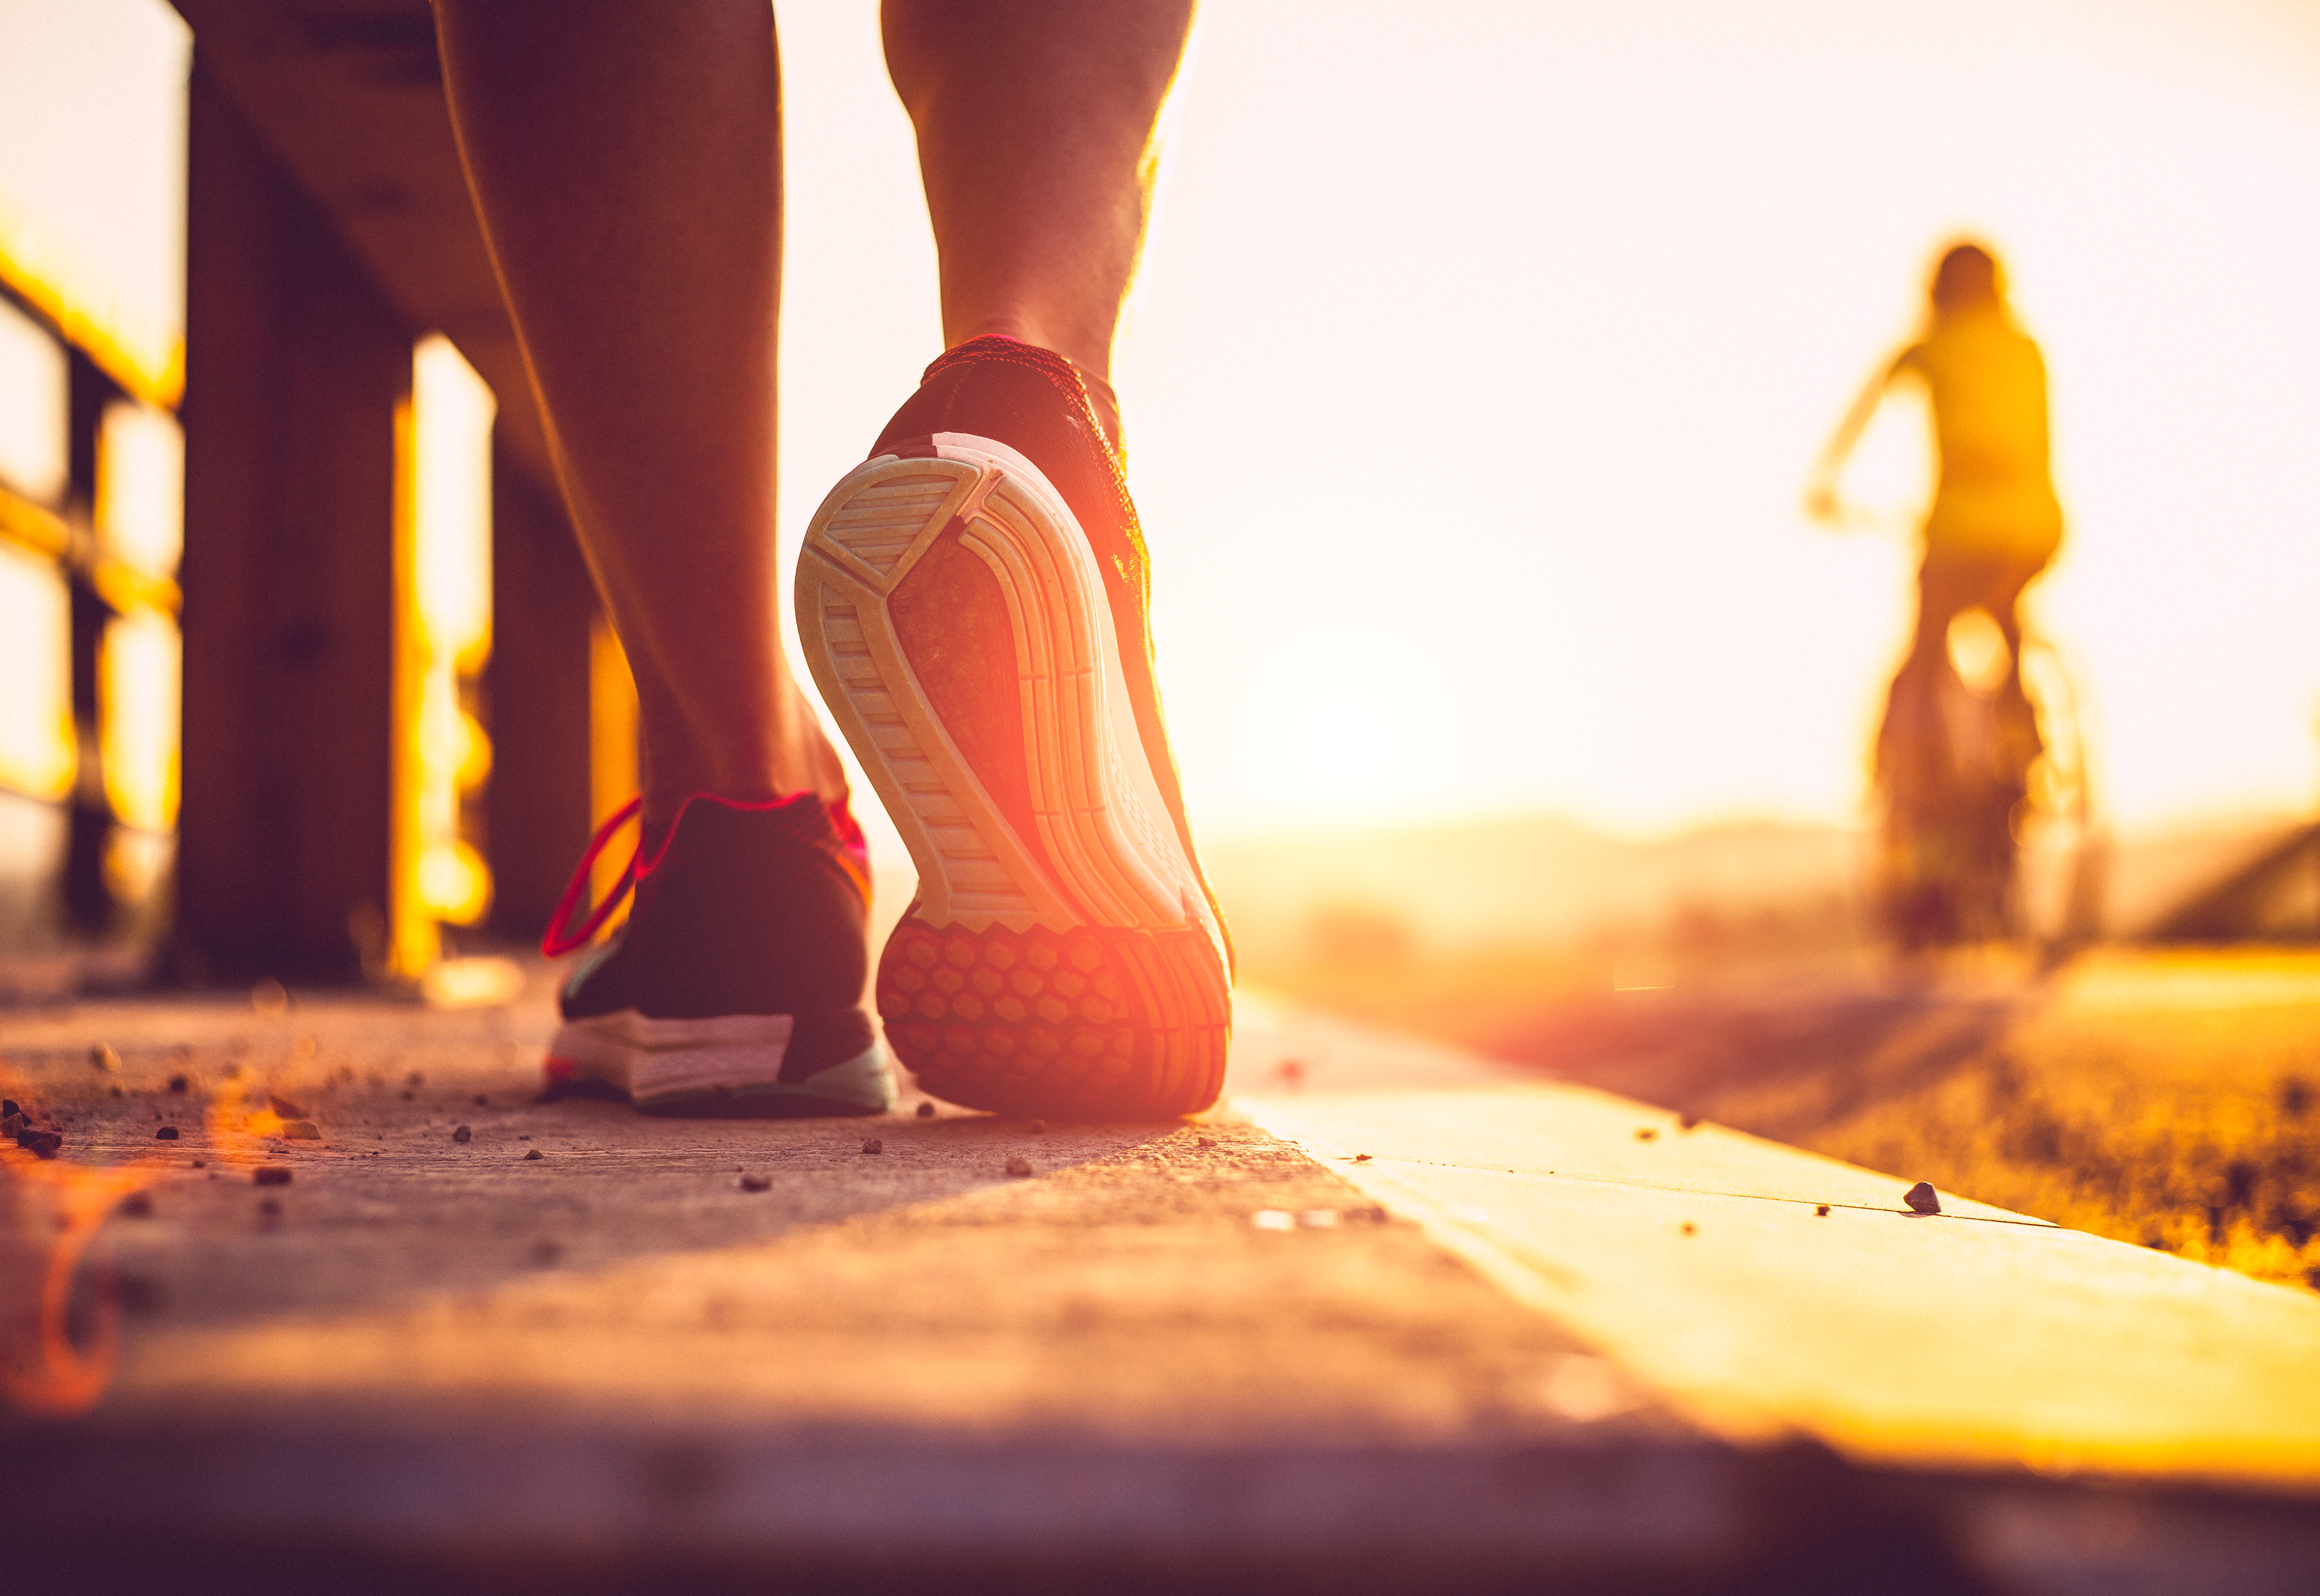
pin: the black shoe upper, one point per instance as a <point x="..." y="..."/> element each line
<point x="743" y="910"/>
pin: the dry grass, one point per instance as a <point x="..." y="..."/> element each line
<point x="2181" y="1118"/>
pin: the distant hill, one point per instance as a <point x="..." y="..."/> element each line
<point x="1536" y="880"/>
<point x="1524" y="881"/>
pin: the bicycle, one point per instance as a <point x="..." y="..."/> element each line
<point x="1979" y="753"/>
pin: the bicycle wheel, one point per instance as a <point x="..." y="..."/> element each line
<point x="2064" y="857"/>
<point x="1953" y="767"/>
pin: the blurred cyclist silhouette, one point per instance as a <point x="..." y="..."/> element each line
<point x="1955" y="754"/>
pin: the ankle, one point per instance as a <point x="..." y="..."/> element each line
<point x="803" y="761"/>
<point x="1093" y="375"/>
<point x="668" y="784"/>
<point x="1088" y="349"/>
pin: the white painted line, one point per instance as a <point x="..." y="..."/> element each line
<point x="1702" y="1264"/>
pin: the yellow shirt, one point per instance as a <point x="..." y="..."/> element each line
<point x="1987" y="384"/>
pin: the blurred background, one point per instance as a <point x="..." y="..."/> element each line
<point x="1478" y="364"/>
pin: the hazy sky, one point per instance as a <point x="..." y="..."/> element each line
<point x="1483" y="350"/>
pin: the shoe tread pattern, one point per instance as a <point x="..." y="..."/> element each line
<point x="1093" y="1023"/>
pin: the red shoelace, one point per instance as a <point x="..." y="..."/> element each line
<point x="558" y="942"/>
<point x="845" y="843"/>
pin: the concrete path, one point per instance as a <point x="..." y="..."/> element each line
<point x="581" y="1348"/>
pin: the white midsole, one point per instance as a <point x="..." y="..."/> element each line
<point x="648" y="1057"/>
<point x="1117" y="857"/>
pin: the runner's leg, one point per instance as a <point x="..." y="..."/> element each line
<point x="627" y="162"/>
<point x="1037" y="125"/>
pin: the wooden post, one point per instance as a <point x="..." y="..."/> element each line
<point x="88" y="902"/>
<point x="294" y="365"/>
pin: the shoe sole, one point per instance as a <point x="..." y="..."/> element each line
<point x="1080" y="974"/>
<point x="730" y="1066"/>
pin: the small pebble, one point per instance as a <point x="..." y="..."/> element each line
<point x="1688" y="1229"/>
<point x="117" y="1092"/>
<point x="180" y="1085"/>
<point x="535" y="1153"/>
<point x="463" y="1134"/>
<point x="1921" y="1197"/>
<point x="104" y="1058"/>
<point x="302" y="1130"/>
<point x="269" y="1208"/>
<point x="1821" y="1212"/>
<point x="1038" y="1127"/>
<point x="1361" y="1157"/>
<point x="415" y="1079"/>
<point x="271" y="1175"/>
<point x="1686" y="1121"/>
<point x="926" y="1111"/>
<point x="137" y="1205"/>
<point x="482" y="1101"/>
<point x="203" y="1163"/>
<point x="1206" y="1142"/>
<point x="410" y="1096"/>
<point x="167" y="1133"/>
<point x="1019" y="1167"/>
<point x="756" y="1183"/>
<point x="873" y="1145"/>
<point x="1645" y="1133"/>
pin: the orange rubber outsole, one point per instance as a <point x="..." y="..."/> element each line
<point x="1096" y="1022"/>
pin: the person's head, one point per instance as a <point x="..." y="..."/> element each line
<point x="1968" y="278"/>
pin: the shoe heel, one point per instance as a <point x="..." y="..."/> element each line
<point x="1094" y="1023"/>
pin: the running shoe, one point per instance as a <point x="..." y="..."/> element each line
<point x="973" y="602"/>
<point x="736" y="985"/>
